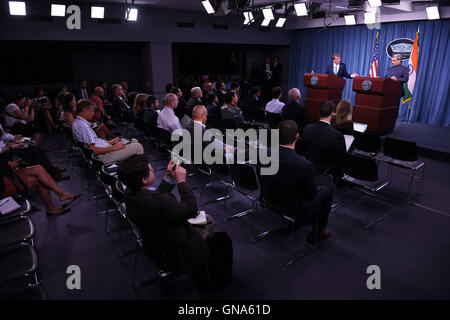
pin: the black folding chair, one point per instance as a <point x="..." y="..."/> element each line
<point x="403" y="154"/>
<point x="363" y="172"/>
<point x="244" y="181"/>
<point x="20" y="229"/>
<point x="273" y="119"/>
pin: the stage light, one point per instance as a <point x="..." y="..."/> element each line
<point x="369" y="17"/>
<point x="268" y="14"/>
<point x="300" y="9"/>
<point x="97" y="12"/>
<point x="132" y="14"/>
<point x="374" y="3"/>
<point x="208" y="6"/>
<point x="248" y="16"/>
<point x="265" y="23"/>
<point x="350" y="20"/>
<point x="433" y="13"/>
<point x="58" y="10"/>
<point x="17" y="8"/>
<point x="280" y="22"/>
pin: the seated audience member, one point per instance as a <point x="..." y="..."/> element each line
<point x="230" y="109"/>
<point x="119" y="106"/>
<point x="322" y="140"/>
<point x="169" y="88"/>
<point x="60" y="114"/>
<point x="235" y="87"/>
<point x="139" y="106"/>
<point x="163" y="222"/>
<point x="209" y="88"/>
<point x="82" y="91"/>
<point x="150" y="116"/>
<point x="252" y="101"/>
<point x="294" y="111"/>
<point x="13" y="146"/>
<point x="108" y="151"/>
<point x="15" y="180"/>
<point x="131" y="98"/>
<point x="342" y="120"/>
<point x="213" y="106"/>
<point x="100" y="114"/>
<point x="221" y="91"/>
<point x="179" y="111"/>
<point x="44" y="110"/>
<point x="275" y="105"/>
<point x="19" y="116"/>
<point x="310" y="201"/>
<point x="69" y="107"/>
<point x="196" y="98"/>
<point x="106" y="92"/>
<point x="167" y="119"/>
<point x="124" y="85"/>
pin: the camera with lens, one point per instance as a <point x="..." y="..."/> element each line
<point x="42" y="100"/>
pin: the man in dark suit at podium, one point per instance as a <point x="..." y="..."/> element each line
<point x="339" y="68"/>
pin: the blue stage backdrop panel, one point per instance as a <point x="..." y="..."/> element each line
<point x="311" y="50"/>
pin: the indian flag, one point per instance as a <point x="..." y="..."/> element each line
<point x="413" y="64"/>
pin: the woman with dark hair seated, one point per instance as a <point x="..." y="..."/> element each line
<point x="44" y="110"/>
<point x="69" y="108"/>
<point x="145" y="111"/>
<point x="342" y="120"/>
<point x="15" y="180"/>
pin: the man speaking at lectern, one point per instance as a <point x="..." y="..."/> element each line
<point x="398" y="73"/>
<point x="339" y="68"/>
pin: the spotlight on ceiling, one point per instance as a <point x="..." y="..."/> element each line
<point x="97" y="12"/>
<point x="350" y="20"/>
<point x="58" y="10"/>
<point x="208" y="6"/>
<point x="17" y="8"/>
<point x="300" y="9"/>
<point x="374" y="3"/>
<point x="369" y="17"/>
<point x="265" y="22"/>
<point x="433" y="13"/>
<point x="131" y="14"/>
<point x="280" y="22"/>
<point x="248" y="16"/>
<point x="268" y="14"/>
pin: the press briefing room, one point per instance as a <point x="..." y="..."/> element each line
<point x="219" y="158"/>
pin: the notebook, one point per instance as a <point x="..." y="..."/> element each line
<point x="8" y="205"/>
<point x="361" y="127"/>
<point x="200" y="219"/>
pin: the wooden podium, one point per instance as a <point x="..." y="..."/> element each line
<point x="376" y="103"/>
<point x="321" y="87"/>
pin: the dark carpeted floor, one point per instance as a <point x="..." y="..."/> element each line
<point x="411" y="246"/>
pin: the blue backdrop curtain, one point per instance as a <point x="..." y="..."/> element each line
<point x="311" y="50"/>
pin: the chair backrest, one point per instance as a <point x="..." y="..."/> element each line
<point x="360" y="167"/>
<point x="277" y="195"/>
<point x="273" y="118"/>
<point x="400" y="149"/>
<point x="68" y="132"/>
<point x="367" y="142"/>
<point x="322" y="158"/>
<point x="244" y="176"/>
<point x="164" y="137"/>
<point x="214" y="122"/>
<point x="251" y="114"/>
<point x="229" y="124"/>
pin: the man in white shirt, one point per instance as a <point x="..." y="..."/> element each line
<point x="167" y="119"/>
<point x="275" y="105"/>
<point x="108" y="151"/>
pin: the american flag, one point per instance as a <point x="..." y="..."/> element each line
<point x="374" y="61"/>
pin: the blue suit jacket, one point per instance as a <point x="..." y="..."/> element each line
<point x="342" y="70"/>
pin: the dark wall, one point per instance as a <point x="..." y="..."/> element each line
<point x="26" y="65"/>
